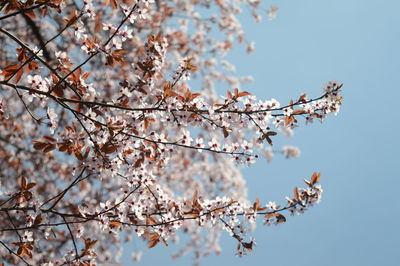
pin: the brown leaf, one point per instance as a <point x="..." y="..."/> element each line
<point x="169" y="93"/>
<point x="120" y="51"/>
<point x="150" y="221"/>
<point x="71" y="19"/>
<point x="50" y="139"/>
<point x="115" y="224"/>
<point x="38" y="219"/>
<point x="113" y="3"/>
<point x="280" y="218"/>
<point x="139" y="162"/>
<point x="11" y="68"/>
<point x="30" y="185"/>
<point x="226" y="133"/>
<point x="10" y="71"/>
<point x="229" y="94"/>
<point x="288" y="120"/>
<point x="194" y="200"/>
<point x="85" y="75"/>
<point x="256" y="204"/>
<point x="236" y="92"/>
<point x="109" y="148"/>
<point x="44" y="11"/>
<point x="18" y="75"/>
<point x="266" y="136"/>
<point x="244" y="93"/>
<point x="49" y="148"/>
<point x="89" y="243"/>
<point x="164" y="242"/>
<point x="63" y="147"/>
<point x="248" y="246"/>
<point x="39" y="145"/>
<point x="153" y="243"/>
<point x="191" y="214"/>
<point x="110" y="61"/>
<point x="296" y="193"/>
<point x="23" y="183"/>
<point x="189" y="66"/>
<point x="298" y="112"/>
<point x="147" y="121"/>
<point x="315" y="178"/>
<point x="30" y="14"/>
<point x="303" y="97"/>
<point x="193" y="96"/>
<point x="22" y="56"/>
<point x="269" y="140"/>
<point x="32" y="66"/>
<point x="24" y="251"/>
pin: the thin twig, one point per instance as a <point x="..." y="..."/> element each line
<point x="72" y="237"/>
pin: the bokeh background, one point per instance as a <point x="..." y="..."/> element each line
<point x="356" y="42"/>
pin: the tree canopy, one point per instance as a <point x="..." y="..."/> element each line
<point x="102" y="130"/>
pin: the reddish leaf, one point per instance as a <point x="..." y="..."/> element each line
<point x="267" y="138"/>
<point x="32" y="66"/>
<point x="147" y="121"/>
<point x="39" y="145"/>
<point x="194" y="200"/>
<point x="18" y="75"/>
<point x="44" y="11"/>
<point x="23" y="183"/>
<point x="256" y="204"/>
<point x="109" y="148"/>
<point x="30" y="185"/>
<point x="315" y="178"/>
<point x="50" y="139"/>
<point x="30" y="14"/>
<point x="9" y="71"/>
<point x="113" y="3"/>
<point x="296" y="193"/>
<point x="303" y="97"/>
<point x="115" y="224"/>
<point x="49" y="148"/>
<point x="89" y="243"/>
<point x="120" y="51"/>
<point x="85" y="75"/>
<point x="248" y="246"/>
<point x="244" y="93"/>
<point x="298" y="112"/>
<point x="153" y="243"/>
<point x="229" y="94"/>
<point x="280" y="218"/>
<point x="38" y="219"/>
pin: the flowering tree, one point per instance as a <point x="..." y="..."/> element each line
<point x="101" y="132"/>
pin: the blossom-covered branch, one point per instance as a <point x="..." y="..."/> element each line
<point x="106" y="132"/>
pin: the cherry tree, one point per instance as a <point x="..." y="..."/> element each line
<point x="104" y="138"/>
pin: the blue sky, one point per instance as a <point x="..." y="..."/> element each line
<point x="356" y="42"/>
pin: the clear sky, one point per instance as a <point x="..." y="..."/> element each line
<point x="356" y="42"/>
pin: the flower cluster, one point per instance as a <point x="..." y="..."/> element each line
<point x="102" y="130"/>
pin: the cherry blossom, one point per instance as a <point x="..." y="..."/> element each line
<point x="53" y="119"/>
<point x="115" y="130"/>
<point x="290" y="151"/>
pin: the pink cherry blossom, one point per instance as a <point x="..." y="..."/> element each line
<point x="114" y="129"/>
